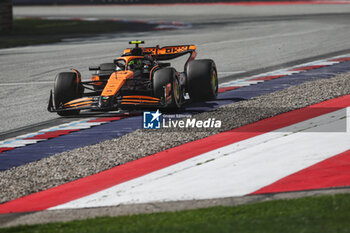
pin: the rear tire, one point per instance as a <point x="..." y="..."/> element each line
<point x="202" y="80"/>
<point x="163" y="77"/>
<point x="67" y="86"/>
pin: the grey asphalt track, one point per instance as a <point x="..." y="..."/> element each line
<point x="241" y="39"/>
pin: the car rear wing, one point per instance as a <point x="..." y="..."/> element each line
<point x="167" y="52"/>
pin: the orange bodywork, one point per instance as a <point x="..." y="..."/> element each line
<point x="152" y="70"/>
<point x="165" y="50"/>
<point x="85" y="101"/>
<point x="116" y="81"/>
<point x="78" y="75"/>
<point x="140" y="102"/>
<point x="140" y="99"/>
<point x="95" y="79"/>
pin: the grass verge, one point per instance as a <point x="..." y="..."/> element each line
<point x="40" y="31"/>
<point x="312" y="214"/>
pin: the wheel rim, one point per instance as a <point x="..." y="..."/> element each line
<point x="214" y="82"/>
<point x="176" y="92"/>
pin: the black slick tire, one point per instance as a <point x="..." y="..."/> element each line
<point x="202" y="80"/>
<point x="66" y="89"/>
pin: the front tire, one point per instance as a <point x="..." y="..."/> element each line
<point x="162" y="78"/>
<point x="202" y="80"/>
<point x="67" y="86"/>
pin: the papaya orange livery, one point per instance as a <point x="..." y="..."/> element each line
<point x="115" y="82"/>
<point x="137" y="79"/>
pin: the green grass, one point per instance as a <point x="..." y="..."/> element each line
<point x="312" y="214"/>
<point x="37" y="31"/>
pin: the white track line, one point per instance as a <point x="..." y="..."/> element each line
<point x="26" y="83"/>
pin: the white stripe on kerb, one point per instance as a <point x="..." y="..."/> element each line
<point x="348" y="119"/>
<point x="234" y="170"/>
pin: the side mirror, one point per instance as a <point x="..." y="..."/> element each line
<point x="92" y="68"/>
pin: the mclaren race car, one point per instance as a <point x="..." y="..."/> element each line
<point x="137" y="79"/>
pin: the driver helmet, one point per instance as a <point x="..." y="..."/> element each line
<point x="135" y="64"/>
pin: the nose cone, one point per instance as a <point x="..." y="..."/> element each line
<point x="116" y="81"/>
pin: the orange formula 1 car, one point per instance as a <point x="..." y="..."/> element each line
<point x="137" y="79"/>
